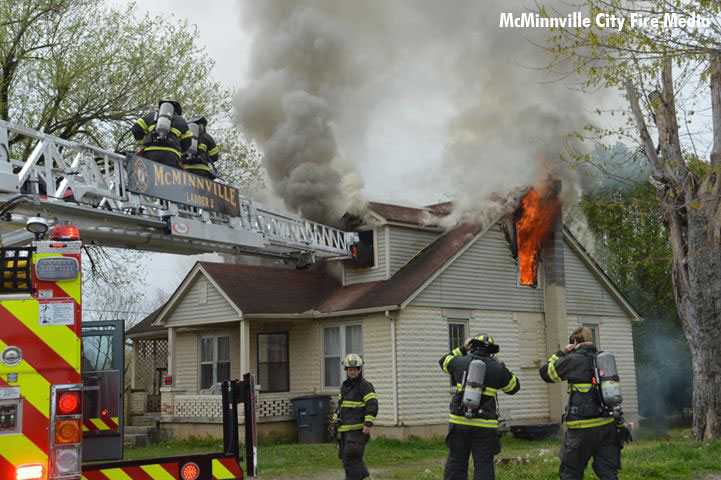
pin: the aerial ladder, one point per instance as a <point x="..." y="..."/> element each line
<point x="125" y="201"/>
<point x="61" y="379"/>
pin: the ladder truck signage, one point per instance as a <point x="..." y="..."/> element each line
<point x="161" y="181"/>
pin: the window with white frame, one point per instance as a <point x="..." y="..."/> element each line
<point x="214" y="360"/>
<point x="456" y="336"/>
<point x="339" y="341"/>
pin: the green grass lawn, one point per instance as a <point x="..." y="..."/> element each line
<point x="649" y="457"/>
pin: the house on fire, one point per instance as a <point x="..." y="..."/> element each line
<point x="422" y="291"/>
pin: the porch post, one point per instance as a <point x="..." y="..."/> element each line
<point x="172" y="355"/>
<point x="244" y="346"/>
<point x="133" y="363"/>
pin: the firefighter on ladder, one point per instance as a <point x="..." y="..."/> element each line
<point x="201" y="160"/>
<point x="473" y="418"/>
<point x="357" y="410"/>
<point x="165" y="134"/>
<point x="590" y="429"/>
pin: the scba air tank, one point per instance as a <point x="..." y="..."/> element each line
<point x="193" y="127"/>
<point x="474" y="385"/>
<point x="165" y="119"/>
<point x="610" y="383"/>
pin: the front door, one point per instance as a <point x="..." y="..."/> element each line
<point x="103" y="381"/>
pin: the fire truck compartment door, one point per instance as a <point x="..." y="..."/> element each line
<point x="103" y="369"/>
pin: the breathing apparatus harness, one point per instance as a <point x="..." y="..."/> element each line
<point x="473" y="383"/>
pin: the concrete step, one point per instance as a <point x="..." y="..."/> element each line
<point x="143" y="420"/>
<point x="139" y="430"/>
<point x="135" y="440"/>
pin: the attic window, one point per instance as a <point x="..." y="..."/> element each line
<point x="363" y="254"/>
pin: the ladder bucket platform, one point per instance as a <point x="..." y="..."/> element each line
<point x="131" y="202"/>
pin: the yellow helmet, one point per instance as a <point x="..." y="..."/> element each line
<point x="484" y="342"/>
<point x="352" y="360"/>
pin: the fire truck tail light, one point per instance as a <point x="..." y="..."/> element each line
<point x="29" y="472"/>
<point x="69" y="403"/>
<point x="68" y="431"/>
<point x="190" y="471"/>
<point x="67" y="460"/>
<point x="64" y="233"/>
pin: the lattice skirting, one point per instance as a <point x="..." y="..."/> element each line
<point x="211" y="406"/>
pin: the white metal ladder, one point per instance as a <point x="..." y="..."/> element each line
<point x="69" y="182"/>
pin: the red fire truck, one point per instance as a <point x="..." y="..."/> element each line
<point x="61" y="379"/>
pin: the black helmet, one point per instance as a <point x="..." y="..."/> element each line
<point x="485" y="343"/>
<point x="199" y="120"/>
<point x="176" y="106"/>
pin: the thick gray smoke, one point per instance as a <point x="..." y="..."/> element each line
<point x="321" y="70"/>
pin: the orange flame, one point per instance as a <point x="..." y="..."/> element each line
<point x="538" y="216"/>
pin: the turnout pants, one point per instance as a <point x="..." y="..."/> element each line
<point x="464" y="440"/>
<point x="351" y="450"/>
<point x="579" y="445"/>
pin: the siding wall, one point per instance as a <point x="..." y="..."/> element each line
<point x="187" y="377"/>
<point x="378" y="271"/>
<point x="405" y="243"/>
<point x="191" y="313"/>
<point x="378" y="363"/>
<point x="585" y="294"/>
<point x="484" y="277"/>
<point x="615" y="336"/>
<point x="424" y="391"/>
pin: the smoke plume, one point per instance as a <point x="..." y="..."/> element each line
<point x="322" y="71"/>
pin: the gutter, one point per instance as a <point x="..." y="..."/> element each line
<point x="317" y="314"/>
<point x="394" y="366"/>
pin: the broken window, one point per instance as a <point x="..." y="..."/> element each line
<point x="363" y="252"/>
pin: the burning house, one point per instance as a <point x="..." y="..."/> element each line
<point x="415" y="292"/>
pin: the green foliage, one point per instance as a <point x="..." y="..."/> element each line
<point x="85" y="70"/>
<point x="634" y="249"/>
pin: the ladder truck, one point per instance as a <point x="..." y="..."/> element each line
<point x="61" y="379"/>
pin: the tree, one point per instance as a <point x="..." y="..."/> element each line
<point x="84" y="70"/>
<point x="634" y="249"/>
<point x="651" y="66"/>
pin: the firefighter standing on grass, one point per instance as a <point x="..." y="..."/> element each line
<point x="473" y="418"/>
<point x="590" y="428"/>
<point x="357" y="410"/>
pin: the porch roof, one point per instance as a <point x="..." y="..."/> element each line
<point x="145" y="327"/>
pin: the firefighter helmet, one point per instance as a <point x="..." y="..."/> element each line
<point x="199" y="120"/>
<point x="352" y="360"/>
<point x="485" y="343"/>
<point x="176" y="106"/>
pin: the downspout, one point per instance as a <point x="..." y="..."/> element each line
<point x="394" y="366"/>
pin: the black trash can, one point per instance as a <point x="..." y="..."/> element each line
<point x="311" y="412"/>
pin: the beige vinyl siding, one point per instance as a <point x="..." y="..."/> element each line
<point x="188" y="311"/>
<point x="423" y="389"/>
<point x="484" y="277"/>
<point x="186" y="362"/>
<point x="585" y="294"/>
<point x="615" y="336"/>
<point x="188" y="356"/>
<point x="521" y="337"/>
<point x="378" y="271"/>
<point x="405" y="243"/>
<point x="377" y="367"/>
<point x="303" y="352"/>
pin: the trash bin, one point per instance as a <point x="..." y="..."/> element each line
<point x="311" y="412"/>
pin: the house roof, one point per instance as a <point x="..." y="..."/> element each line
<point x="145" y="326"/>
<point x="271" y="290"/>
<point x="410" y="215"/>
